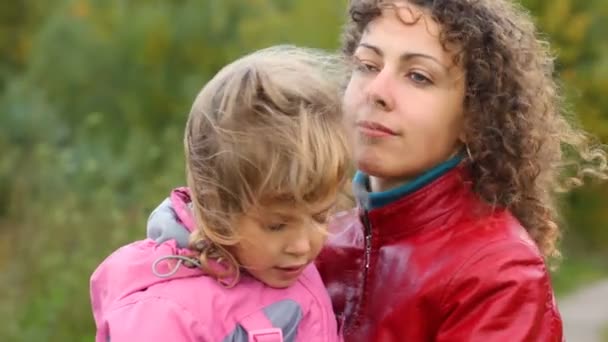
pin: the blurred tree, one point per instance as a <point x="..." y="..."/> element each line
<point x="90" y="131"/>
<point x="18" y="22"/>
<point x="577" y="33"/>
<point x="576" y="30"/>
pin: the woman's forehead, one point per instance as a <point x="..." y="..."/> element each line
<point x="409" y="29"/>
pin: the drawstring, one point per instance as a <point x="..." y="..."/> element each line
<point x="180" y="260"/>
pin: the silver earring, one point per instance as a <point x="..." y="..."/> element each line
<point x="466" y="146"/>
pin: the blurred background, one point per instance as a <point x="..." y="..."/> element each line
<point x="93" y="100"/>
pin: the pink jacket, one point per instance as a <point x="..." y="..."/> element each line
<point x="131" y="303"/>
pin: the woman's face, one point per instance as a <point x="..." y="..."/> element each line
<point x="404" y="102"/>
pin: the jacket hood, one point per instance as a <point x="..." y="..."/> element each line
<point x="172" y="219"/>
<point x="145" y="263"/>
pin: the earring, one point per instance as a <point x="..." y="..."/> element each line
<point x="466" y="146"/>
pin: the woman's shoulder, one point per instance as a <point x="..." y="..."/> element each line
<point x="498" y="245"/>
<point x="494" y="243"/>
<point x="486" y="231"/>
<point x="500" y="273"/>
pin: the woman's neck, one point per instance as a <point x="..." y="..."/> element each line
<point x="377" y="184"/>
<point x="369" y="197"/>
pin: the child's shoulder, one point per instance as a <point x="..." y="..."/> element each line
<point x="126" y="279"/>
<point x="303" y="309"/>
<point x="250" y="295"/>
<point x="144" y="280"/>
<point x="250" y="304"/>
<point x="132" y="272"/>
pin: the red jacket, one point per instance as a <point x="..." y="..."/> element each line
<point x="438" y="265"/>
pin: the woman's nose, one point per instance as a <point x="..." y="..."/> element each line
<point x="379" y="91"/>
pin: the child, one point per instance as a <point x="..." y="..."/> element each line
<point x="265" y="159"/>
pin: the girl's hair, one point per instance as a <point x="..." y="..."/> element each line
<point x="265" y="130"/>
<point x="521" y="147"/>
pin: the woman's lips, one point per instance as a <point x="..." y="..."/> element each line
<point x="374" y="129"/>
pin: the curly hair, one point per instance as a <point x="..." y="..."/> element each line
<point x="523" y="148"/>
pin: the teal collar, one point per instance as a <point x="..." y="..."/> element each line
<point x="372" y="200"/>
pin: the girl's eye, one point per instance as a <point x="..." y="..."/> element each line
<point x="277" y="227"/>
<point x="419" y="78"/>
<point x="321" y="218"/>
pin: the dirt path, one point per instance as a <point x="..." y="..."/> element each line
<point x="585" y="313"/>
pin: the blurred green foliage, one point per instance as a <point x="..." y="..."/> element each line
<point x="93" y="98"/>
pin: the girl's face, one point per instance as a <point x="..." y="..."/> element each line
<point x="275" y="247"/>
<point x="404" y="102"/>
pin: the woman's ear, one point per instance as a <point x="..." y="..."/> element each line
<point x="463" y="127"/>
<point x="462" y="138"/>
<point x="465" y="147"/>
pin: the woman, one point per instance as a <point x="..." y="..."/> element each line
<point x="457" y="135"/>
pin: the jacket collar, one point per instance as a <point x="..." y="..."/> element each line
<point x="372" y="200"/>
<point x="444" y="199"/>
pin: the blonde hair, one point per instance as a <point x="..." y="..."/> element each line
<point x="265" y="129"/>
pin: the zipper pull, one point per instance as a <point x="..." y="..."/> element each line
<point x="368" y="239"/>
<point x="368" y="250"/>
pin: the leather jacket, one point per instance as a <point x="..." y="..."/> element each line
<point x="438" y="264"/>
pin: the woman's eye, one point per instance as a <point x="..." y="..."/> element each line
<point x="277" y="227"/>
<point x="419" y="78"/>
<point x="366" y="67"/>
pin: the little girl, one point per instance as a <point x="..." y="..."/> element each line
<point x="265" y="159"/>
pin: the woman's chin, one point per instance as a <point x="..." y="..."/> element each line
<point x="370" y="161"/>
<point x="376" y="170"/>
<point x="373" y="164"/>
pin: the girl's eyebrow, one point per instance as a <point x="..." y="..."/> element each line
<point x="328" y="208"/>
<point x="284" y="216"/>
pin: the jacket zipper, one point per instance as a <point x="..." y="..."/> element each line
<point x="368" y="244"/>
<point x="367" y="261"/>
